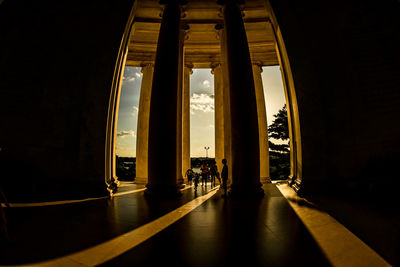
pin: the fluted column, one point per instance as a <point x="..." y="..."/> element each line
<point x="219" y="114"/>
<point x="186" y="119"/>
<point x="162" y="163"/>
<point x="243" y="106"/>
<point x="262" y="125"/>
<point x="142" y="135"/>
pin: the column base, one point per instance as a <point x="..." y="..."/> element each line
<point x="296" y="185"/>
<point x="141" y="180"/>
<point x="265" y="180"/>
<point x="246" y="191"/>
<point x="162" y="192"/>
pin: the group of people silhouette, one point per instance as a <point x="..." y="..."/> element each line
<point x="209" y="172"/>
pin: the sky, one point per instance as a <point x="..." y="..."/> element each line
<point x="128" y="111"/>
<point x="201" y="108"/>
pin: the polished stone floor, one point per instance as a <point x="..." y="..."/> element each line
<point x="231" y="232"/>
<point x="216" y="232"/>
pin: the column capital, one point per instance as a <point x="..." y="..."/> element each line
<point x="165" y="3"/>
<point x="259" y="64"/>
<point x="161" y="11"/>
<point x="186" y="30"/>
<point x="214" y="65"/>
<point x="218" y="28"/>
<point x="190" y="67"/>
<point x="146" y="64"/>
<point x="183" y="11"/>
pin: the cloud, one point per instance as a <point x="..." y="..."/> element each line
<point x="122" y="134"/>
<point x="138" y="75"/>
<point x="135" y="110"/>
<point x="206" y="83"/>
<point x="128" y="78"/>
<point x="202" y="102"/>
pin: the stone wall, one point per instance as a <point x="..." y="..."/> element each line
<point x="346" y="67"/>
<point x="57" y="62"/>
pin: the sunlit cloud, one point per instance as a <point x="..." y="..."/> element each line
<point x="135" y="111"/>
<point x="206" y="83"/>
<point x="202" y="102"/>
<point x="122" y="134"/>
<point x="128" y="78"/>
<point x="138" y="75"/>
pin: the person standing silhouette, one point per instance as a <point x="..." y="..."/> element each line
<point x="224" y="176"/>
<point x="189" y="174"/>
<point x="204" y="173"/>
<point x="213" y="172"/>
<point x="196" y="181"/>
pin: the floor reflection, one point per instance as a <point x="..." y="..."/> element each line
<point x="223" y="232"/>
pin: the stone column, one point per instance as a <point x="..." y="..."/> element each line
<point x="262" y="125"/>
<point x="179" y="99"/>
<point x="219" y="114"/>
<point x="162" y="149"/>
<point x="243" y="106"/>
<point x="186" y="119"/>
<point x="226" y="102"/>
<point x="142" y="135"/>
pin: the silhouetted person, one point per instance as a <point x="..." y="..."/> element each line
<point x="213" y="172"/>
<point x="224" y="176"/>
<point x="219" y="179"/>
<point x="3" y="220"/>
<point x="196" y="181"/>
<point x="204" y="174"/>
<point x="189" y="174"/>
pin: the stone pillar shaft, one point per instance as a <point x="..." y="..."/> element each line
<point x="162" y="152"/>
<point x="262" y="125"/>
<point x="142" y="135"/>
<point x="186" y="120"/>
<point x="219" y="115"/>
<point x="243" y="106"/>
<point x="226" y="105"/>
<point x="179" y="119"/>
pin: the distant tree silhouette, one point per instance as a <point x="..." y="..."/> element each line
<point x="279" y="153"/>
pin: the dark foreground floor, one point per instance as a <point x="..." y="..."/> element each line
<point x="220" y="232"/>
<point x="377" y="224"/>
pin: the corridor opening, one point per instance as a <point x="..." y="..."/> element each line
<point x="202" y="118"/>
<point x="201" y="46"/>
<point x="278" y="129"/>
<point x="127" y="124"/>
